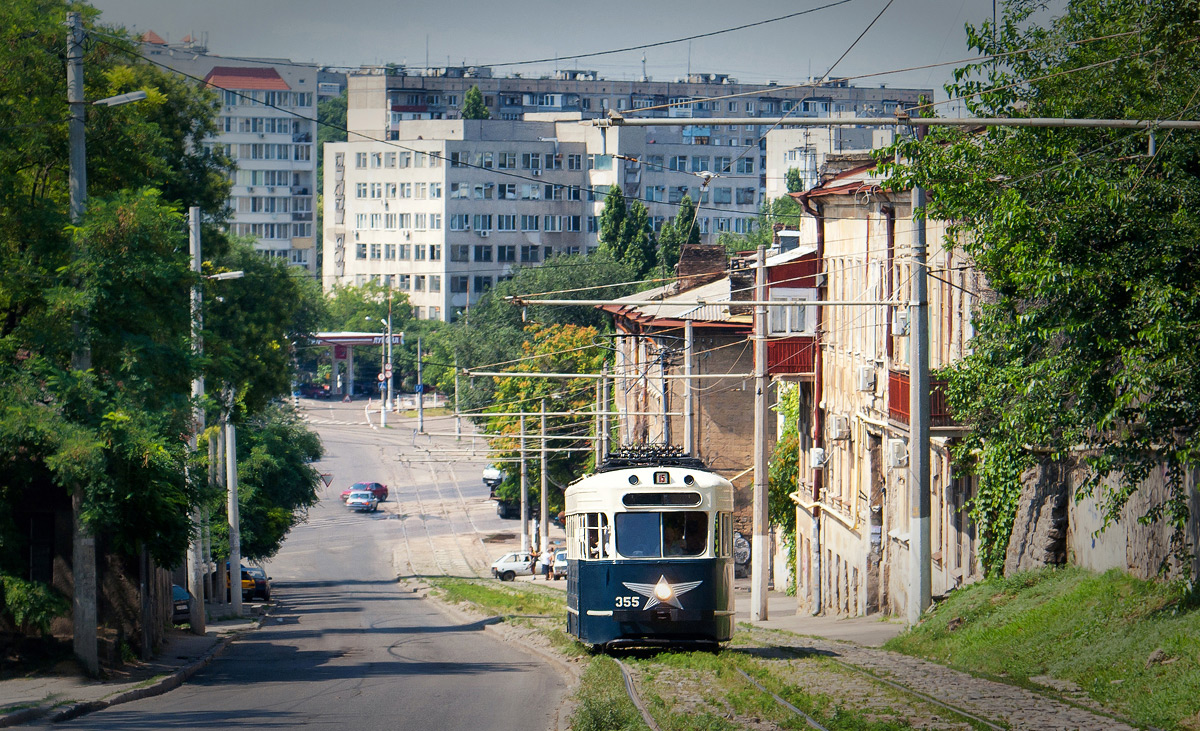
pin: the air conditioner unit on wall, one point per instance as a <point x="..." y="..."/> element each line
<point x="817" y="457"/>
<point x="484" y="234"/>
<point x="837" y="427"/>
<point x="900" y="322"/>
<point x="866" y="378"/>
<point x="897" y="453"/>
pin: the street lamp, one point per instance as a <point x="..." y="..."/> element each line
<point x="386" y="355"/>
<point x="83" y="543"/>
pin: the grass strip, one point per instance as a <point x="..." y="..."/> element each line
<point x="1130" y="645"/>
<point x="603" y="704"/>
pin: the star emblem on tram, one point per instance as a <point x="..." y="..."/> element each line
<point x="663" y="592"/>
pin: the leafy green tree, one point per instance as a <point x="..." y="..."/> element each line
<point x="675" y="233"/>
<point x="331" y="118"/>
<point x="625" y="233"/>
<point x="563" y="349"/>
<point x="1088" y="244"/>
<point x="783" y="211"/>
<point x="473" y="107"/>
<point x="793" y="180"/>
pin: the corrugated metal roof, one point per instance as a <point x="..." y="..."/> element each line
<point x="716" y="292"/>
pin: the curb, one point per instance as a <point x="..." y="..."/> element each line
<point x="163" y="685"/>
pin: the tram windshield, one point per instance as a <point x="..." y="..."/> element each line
<point x="654" y="535"/>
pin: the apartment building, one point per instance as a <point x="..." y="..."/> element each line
<point x="266" y="127"/>
<point x="852" y="502"/>
<point x="451" y="207"/>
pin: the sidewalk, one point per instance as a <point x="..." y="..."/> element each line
<point x="870" y="631"/>
<point x="61" y="697"/>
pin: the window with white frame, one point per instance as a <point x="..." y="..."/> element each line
<point x="789" y="319"/>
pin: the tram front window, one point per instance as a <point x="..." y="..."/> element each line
<point x="652" y="535"/>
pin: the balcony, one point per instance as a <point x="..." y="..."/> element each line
<point x="791" y="356"/>
<point x="899" y="403"/>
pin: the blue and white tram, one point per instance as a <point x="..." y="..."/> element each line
<point x="650" y="553"/>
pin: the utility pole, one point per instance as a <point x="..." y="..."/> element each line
<point x="524" y="492"/>
<point x="457" y="414"/>
<point x="543" y="519"/>
<point x="689" y="434"/>
<point x="663" y="357"/>
<point x="195" y="556"/>
<point x="388" y="370"/>
<point x="235" y="531"/>
<point x="420" y="392"/>
<point x="83" y="543"/>
<point x="758" y="546"/>
<point x="605" y="429"/>
<point x="920" y="581"/>
<point x="599" y="445"/>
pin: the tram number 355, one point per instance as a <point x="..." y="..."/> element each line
<point x="629" y="601"/>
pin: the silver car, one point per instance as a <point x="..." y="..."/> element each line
<point x="362" y="501"/>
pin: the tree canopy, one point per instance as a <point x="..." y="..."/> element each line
<point x="625" y="233"/>
<point x="473" y="106"/>
<point x="1086" y="345"/>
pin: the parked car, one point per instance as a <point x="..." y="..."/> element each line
<point x="511" y="565"/>
<point x="362" y="501"/>
<point x="262" y="583"/>
<point x="511" y="510"/>
<point x="492" y="476"/>
<point x="379" y="490"/>
<point x="313" y="390"/>
<point x="247" y="584"/>
<point x="183" y="604"/>
<point x="558" y="570"/>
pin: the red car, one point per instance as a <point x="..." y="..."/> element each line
<point x="379" y="490"/>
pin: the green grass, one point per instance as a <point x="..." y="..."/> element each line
<point x="602" y="702"/>
<point x="500" y="598"/>
<point x="1096" y="631"/>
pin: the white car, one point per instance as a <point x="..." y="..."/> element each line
<point x="510" y="565"/>
<point x="558" y="569"/>
<point x="362" y="501"/>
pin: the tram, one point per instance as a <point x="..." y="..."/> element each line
<point x="650" y="552"/>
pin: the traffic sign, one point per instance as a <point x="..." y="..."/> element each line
<point x="382" y="378"/>
<point x="387" y="371"/>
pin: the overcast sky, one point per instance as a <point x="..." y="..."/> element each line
<point x="353" y="32"/>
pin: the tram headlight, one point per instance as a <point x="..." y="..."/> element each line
<point x="663" y="590"/>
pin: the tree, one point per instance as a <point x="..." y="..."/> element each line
<point x="473" y="107"/>
<point x="1088" y="243"/>
<point x="794" y="182"/>
<point x="562" y="349"/>
<point x="625" y="233"/>
<point x="677" y="232"/>
<point x="784" y="211"/>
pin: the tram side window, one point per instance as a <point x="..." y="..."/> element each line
<point x="595" y="535"/>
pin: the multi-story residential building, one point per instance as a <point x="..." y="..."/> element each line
<point x="805" y="149"/>
<point x="452" y="206"/>
<point x="854" y="493"/>
<point x="266" y="126"/>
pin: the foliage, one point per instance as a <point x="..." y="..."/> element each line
<point x="331" y="116"/>
<point x="473" y="107"/>
<point x="783" y="211"/>
<point x="603" y="704"/>
<point x="31" y="604"/>
<point x="794" y="181"/>
<point x="549" y="349"/>
<point x="783" y="473"/>
<point x="276" y="479"/>
<point x="625" y="233"/>
<point x="501" y="335"/>
<point x="1094" y="630"/>
<point x="675" y="234"/>
<point x="1089" y="246"/>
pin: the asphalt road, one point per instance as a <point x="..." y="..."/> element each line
<point x="348" y="647"/>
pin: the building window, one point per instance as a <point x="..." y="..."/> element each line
<point x="460" y="190"/>
<point x="460" y="252"/>
<point x="435" y="190"/>
<point x="376" y="251"/>
<point x="506" y="160"/>
<point x="376" y="190"/>
<point x="483" y="222"/>
<point x="531" y="160"/>
<point x="506" y="254"/>
<point x="360" y="251"/>
<point x="482" y="283"/>
<point x="459" y="159"/>
<point x="552" y="224"/>
<point x="389" y="252"/>
<point x="405" y="252"/>
<point x="677" y="162"/>
<point x="529" y="223"/>
<point x="419" y="283"/>
<point x="531" y="192"/>
<point x="460" y="221"/>
<point x="699" y="163"/>
<point x="404" y="282"/>
<point x="722" y="195"/>
<point x="745" y="165"/>
<point x="435" y="252"/>
<point x="435" y="283"/>
<point x="360" y="190"/>
<point x="575" y="162"/>
<point x="483" y="252"/>
<point x="572" y="223"/>
<point x="506" y="222"/>
<point x="791" y="319"/>
<point x="360" y="160"/>
<point x="506" y="191"/>
<point x="459" y="284"/>
<point x="376" y="160"/>
<point x="435" y="222"/>
<point x="530" y="254"/>
<point x="419" y="252"/>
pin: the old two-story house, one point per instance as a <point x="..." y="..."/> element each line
<point x="684" y="372"/>
<point x="852" y="504"/>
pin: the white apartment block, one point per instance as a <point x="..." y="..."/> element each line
<point x="450" y="207"/>
<point x="266" y="128"/>
<point x="806" y="148"/>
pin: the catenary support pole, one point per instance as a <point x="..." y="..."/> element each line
<point x="235" y="531"/>
<point x="195" y="556"/>
<point x="420" y="391"/>
<point x="83" y="543"/>
<point x="597" y="428"/>
<point x="689" y="394"/>
<point x="524" y="492"/>
<point x="544" y="503"/>
<point x="606" y="429"/>
<point x="758" y="547"/>
<point x="920" y="583"/>
<point x="457" y="413"/>
<point x="390" y="380"/>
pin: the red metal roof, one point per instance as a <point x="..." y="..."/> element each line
<point x="240" y="77"/>
<point x="152" y="37"/>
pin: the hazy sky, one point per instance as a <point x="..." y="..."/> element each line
<point x="353" y="32"/>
